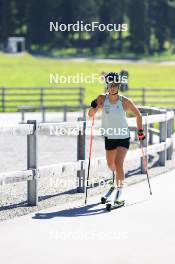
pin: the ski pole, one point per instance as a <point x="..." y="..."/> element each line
<point x="145" y="165"/>
<point x="90" y="152"/>
<point x="113" y="177"/>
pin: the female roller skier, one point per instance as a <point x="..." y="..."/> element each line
<point x="115" y="127"/>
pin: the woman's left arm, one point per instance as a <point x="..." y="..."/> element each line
<point x="129" y="105"/>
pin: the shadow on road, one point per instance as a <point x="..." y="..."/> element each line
<point x="80" y="211"/>
<point x="72" y="212"/>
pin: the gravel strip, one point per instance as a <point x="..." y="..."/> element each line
<point x="53" y="191"/>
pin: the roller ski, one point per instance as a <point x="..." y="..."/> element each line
<point x="104" y="198"/>
<point x="116" y="202"/>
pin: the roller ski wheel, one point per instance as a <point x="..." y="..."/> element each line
<point x="117" y="204"/>
<point x="103" y="200"/>
<point x="105" y="197"/>
<point x="108" y="207"/>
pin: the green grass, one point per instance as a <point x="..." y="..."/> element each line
<point x="30" y="71"/>
<point x="103" y="52"/>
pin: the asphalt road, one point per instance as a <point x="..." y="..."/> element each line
<point x="141" y="232"/>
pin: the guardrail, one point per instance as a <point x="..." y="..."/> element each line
<point x="33" y="129"/>
<point x="153" y="96"/>
<point x="11" y="98"/>
<point x="141" y="96"/>
<point x="65" y="109"/>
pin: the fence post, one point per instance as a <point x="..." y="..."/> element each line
<point x="170" y="124"/>
<point x="172" y="130"/>
<point x="163" y="134"/>
<point x="65" y="113"/>
<point x="43" y="111"/>
<point x="81" y="156"/>
<point x="151" y="134"/>
<point x="41" y="96"/>
<point x="143" y="96"/>
<point x="32" y="160"/>
<point x="81" y="94"/>
<point x="3" y="99"/>
<point x="84" y="112"/>
<point x="145" y="144"/>
<point x="22" y="116"/>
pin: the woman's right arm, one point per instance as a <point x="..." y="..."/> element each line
<point x="92" y="111"/>
<point x="99" y="104"/>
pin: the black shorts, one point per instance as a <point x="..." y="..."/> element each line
<point x="114" y="143"/>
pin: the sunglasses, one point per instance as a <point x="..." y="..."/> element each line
<point x="111" y="85"/>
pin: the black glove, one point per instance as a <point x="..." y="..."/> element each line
<point x="141" y="135"/>
<point x="94" y="103"/>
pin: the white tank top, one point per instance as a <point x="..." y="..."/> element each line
<point x="114" y="122"/>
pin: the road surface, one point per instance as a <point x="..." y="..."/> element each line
<point x="141" y="232"/>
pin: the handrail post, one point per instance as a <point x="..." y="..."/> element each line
<point x="151" y="134"/>
<point x="163" y="135"/>
<point x="145" y="144"/>
<point x="81" y="156"/>
<point x="170" y="124"/>
<point x="172" y="131"/>
<point x="150" y="131"/>
<point x="32" y="164"/>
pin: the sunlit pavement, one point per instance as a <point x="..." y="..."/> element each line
<point x="141" y="232"/>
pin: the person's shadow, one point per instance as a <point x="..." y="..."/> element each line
<point x="72" y="212"/>
<point x="81" y="211"/>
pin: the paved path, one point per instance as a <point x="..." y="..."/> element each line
<point x="142" y="232"/>
<point x="111" y="61"/>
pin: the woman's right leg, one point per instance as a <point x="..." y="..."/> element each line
<point x="110" y="157"/>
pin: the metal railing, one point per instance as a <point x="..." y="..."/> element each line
<point x="33" y="129"/>
<point x="11" y="98"/>
<point x="65" y="109"/>
<point x="153" y="97"/>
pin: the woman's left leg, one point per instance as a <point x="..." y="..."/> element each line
<point x="119" y="160"/>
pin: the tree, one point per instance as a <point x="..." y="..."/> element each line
<point x="139" y="26"/>
<point x="8" y="25"/>
<point x="171" y="21"/>
<point x="38" y="18"/>
<point x="159" y="18"/>
<point x="112" y="11"/>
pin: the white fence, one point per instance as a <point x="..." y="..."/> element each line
<point x="33" y="129"/>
